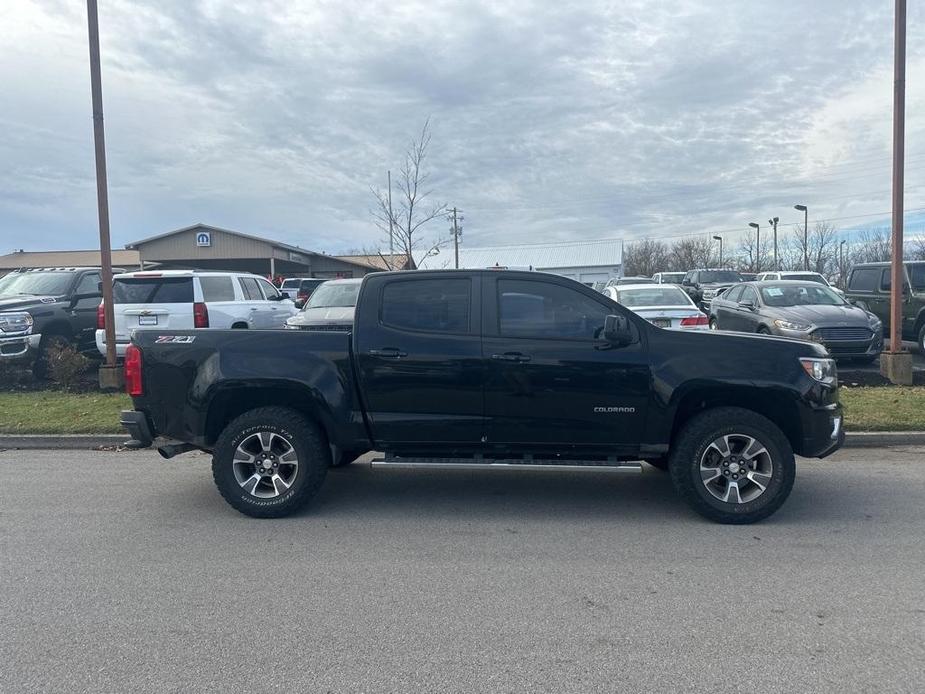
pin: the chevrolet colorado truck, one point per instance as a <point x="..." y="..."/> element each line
<point x="487" y="368"/>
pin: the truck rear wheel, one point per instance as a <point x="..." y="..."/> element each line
<point x="269" y="462"/>
<point x="732" y="465"/>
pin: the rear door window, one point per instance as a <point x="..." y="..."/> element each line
<point x="217" y="288"/>
<point x="733" y="294"/>
<point x="917" y="276"/>
<point x="427" y="305"/>
<point x="251" y="289"/>
<point x="153" y="290"/>
<point x="864" y="279"/>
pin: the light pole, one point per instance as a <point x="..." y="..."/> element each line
<point x="773" y="222"/>
<point x="720" y="239"/>
<point x="802" y="208"/>
<point x="841" y="262"/>
<point x="754" y="225"/>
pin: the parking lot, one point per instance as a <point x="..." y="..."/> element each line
<point x="125" y="572"/>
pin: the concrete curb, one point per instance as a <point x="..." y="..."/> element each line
<point x="872" y="439"/>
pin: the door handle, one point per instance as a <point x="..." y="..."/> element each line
<point x="253" y="308"/>
<point x="511" y="356"/>
<point x="387" y="353"/>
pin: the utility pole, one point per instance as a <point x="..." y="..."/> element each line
<point x="897" y="365"/>
<point x="108" y="375"/>
<point x="773" y="222"/>
<point x="456" y="230"/>
<point x="391" y="234"/>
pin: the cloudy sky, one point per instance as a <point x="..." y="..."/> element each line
<point x="551" y="121"/>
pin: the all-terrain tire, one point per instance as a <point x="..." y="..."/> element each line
<point x="281" y="427"/>
<point x="688" y="455"/>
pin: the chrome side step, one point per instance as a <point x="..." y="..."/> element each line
<point x="503" y="464"/>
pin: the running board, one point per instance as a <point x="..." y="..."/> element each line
<point x="402" y="462"/>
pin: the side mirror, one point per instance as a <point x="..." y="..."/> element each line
<point x="617" y="330"/>
<point x="749" y="305"/>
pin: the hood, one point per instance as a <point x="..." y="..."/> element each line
<point x="24" y="301"/>
<point x="331" y="315"/>
<point x="822" y="316"/>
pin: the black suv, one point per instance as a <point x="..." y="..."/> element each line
<point x="40" y="307"/>
<point x="703" y="285"/>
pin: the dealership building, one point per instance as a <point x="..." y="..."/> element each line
<point x="206" y="247"/>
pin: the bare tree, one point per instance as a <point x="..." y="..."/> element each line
<point x="406" y="215"/>
<point x="873" y="245"/>
<point x="645" y="258"/>
<point x="752" y="257"/>
<point x="689" y="253"/>
<point x="917" y="249"/>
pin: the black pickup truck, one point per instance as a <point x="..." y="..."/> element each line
<point x="482" y="368"/>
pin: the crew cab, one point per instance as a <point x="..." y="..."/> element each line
<point x="486" y="368"/>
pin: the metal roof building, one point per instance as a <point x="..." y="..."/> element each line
<point x="585" y="261"/>
<point x="128" y="260"/>
<point x="212" y="248"/>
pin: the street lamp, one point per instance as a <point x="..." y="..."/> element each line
<point x="720" y="239"/>
<point x="754" y="225"/>
<point x="841" y="265"/>
<point x="802" y="208"/>
<point x="773" y="222"/>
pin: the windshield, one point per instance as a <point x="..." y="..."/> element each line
<point x="800" y="295"/>
<point x="291" y="284"/>
<point x="807" y="278"/>
<point x="719" y="276"/>
<point x="657" y="295"/>
<point x="38" y="283"/>
<point x="332" y="294"/>
<point x="672" y="277"/>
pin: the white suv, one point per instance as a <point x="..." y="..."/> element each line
<point x="187" y="299"/>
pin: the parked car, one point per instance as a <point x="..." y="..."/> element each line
<point x="42" y="307"/>
<point x="185" y="299"/>
<point x="800" y="276"/>
<point x="298" y="289"/>
<point x="869" y="287"/>
<point x="623" y="281"/>
<point x="703" y="285"/>
<point x="474" y="368"/>
<point x="804" y="310"/>
<point x="667" y="306"/>
<point x="749" y="276"/>
<point x="330" y="307"/>
<point x="668" y="277"/>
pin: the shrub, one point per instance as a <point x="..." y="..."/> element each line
<point x="65" y="364"/>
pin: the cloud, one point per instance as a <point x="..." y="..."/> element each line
<point x="550" y="121"/>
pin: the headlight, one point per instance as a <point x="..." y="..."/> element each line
<point x="822" y="370"/>
<point x="875" y="323"/>
<point x="18" y="322"/>
<point x="290" y="326"/>
<point x="790" y="325"/>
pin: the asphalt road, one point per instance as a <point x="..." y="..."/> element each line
<point x="122" y="572"/>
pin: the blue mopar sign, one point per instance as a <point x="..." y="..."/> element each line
<point x="204" y="239"/>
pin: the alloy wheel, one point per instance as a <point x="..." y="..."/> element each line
<point x="265" y="464"/>
<point x="736" y="468"/>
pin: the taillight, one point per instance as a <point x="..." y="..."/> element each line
<point x="302" y="295"/>
<point x="100" y="317"/>
<point x="691" y="321"/>
<point x="200" y="315"/>
<point x="133" y="371"/>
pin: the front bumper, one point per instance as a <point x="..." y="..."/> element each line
<point x="136" y="423"/>
<point x="19" y="347"/>
<point x="840" y="349"/>
<point x="823" y="430"/>
<point x="121" y="345"/>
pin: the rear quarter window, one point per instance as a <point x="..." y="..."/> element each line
<point x="153" y="290"/>
<point x="217" y="288"/>
<point x="864" y="279"/>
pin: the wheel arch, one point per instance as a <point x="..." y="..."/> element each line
<point x="775" y="406"/>
<point x="233" y="400"/>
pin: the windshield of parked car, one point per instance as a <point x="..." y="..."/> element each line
<point x="291" y="284"/>
<point x="332" y="294"/>
<point x="779" y="295"/>
<point x="672" y="277"/>
<point x="720" y="276"/>
<point x="806" y="278"/>
<point x="38" y="283"/>
<point x="656" y="295"/>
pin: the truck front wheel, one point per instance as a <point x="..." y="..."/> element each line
<point x="732" y="465"/>
<point x="267" y="463"/>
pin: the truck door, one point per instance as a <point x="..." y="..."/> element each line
<point x="419" y="355"/>
<point x="551" y="382"/>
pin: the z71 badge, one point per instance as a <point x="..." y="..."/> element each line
<point x="174" y="339"/>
